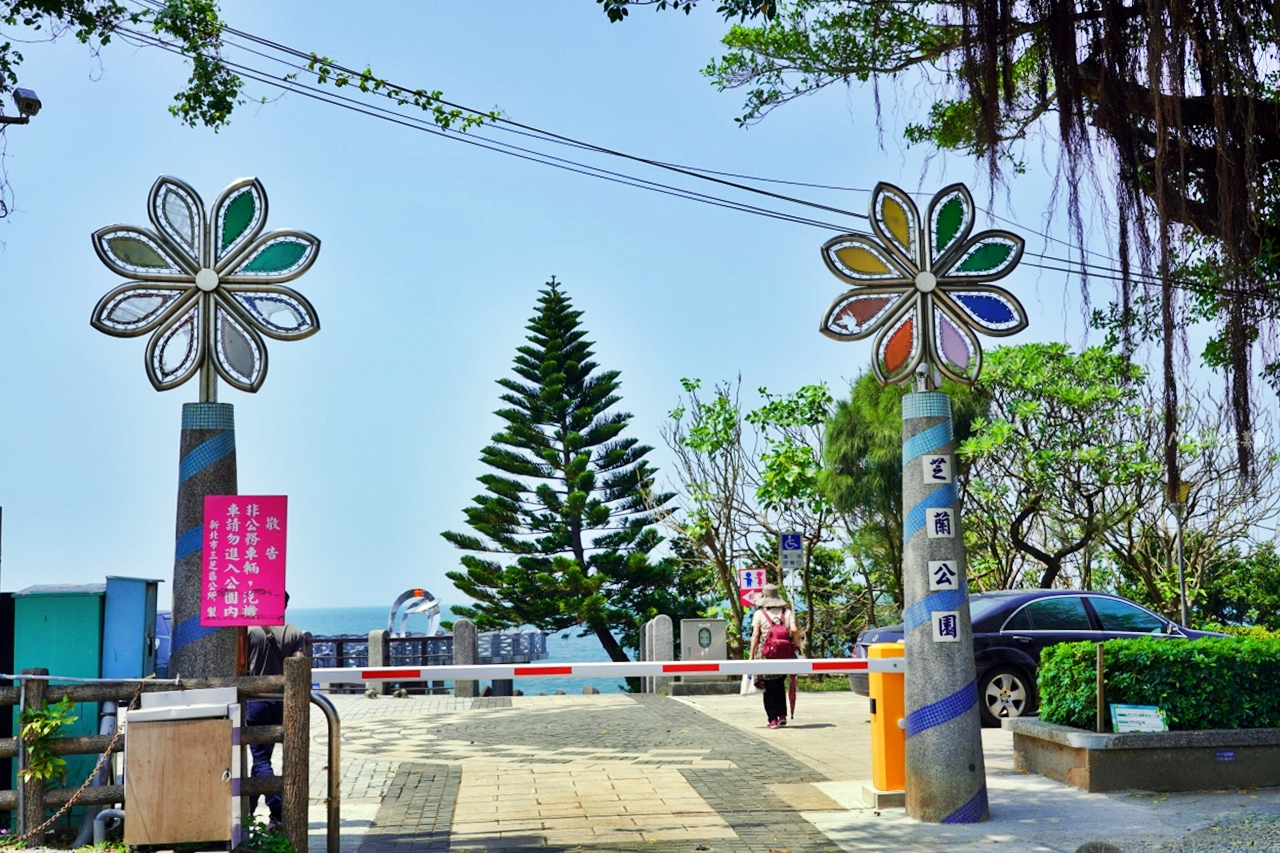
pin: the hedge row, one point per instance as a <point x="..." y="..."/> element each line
<point x="1216" y="683"/>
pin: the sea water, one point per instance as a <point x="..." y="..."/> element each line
<point x="563" y="647"/>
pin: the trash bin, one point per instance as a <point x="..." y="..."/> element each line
<point x="182" y="768"/>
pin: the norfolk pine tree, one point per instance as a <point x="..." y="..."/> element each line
<point x="568" y="497"/>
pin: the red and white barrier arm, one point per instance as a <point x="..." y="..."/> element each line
<point x="478" y="672"/>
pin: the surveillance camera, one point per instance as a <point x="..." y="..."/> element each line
<point x="28" y="102"/>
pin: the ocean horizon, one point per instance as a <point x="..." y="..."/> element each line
<point x="562" y="647"/>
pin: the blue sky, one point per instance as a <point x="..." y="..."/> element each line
<point x="432" y="256"/>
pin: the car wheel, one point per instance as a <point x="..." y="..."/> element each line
<point x="1004" y="692"/>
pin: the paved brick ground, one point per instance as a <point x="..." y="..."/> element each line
<point x="609" y="772"/>
<point x="619" y="773"/>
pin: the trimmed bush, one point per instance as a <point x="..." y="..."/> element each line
<point x="1218" y="683"/>
<point x="1256" y="632"/>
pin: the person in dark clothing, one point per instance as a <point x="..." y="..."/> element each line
<point x="773" y="617"/>
<point x="268" y="647"/>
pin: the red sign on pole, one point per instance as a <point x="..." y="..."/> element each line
<point x="244" y="555"/>
<point x="750" y="583"/>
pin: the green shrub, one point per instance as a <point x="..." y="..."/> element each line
<point x="1256" y="632"/>
<point x="1217" y="683"/>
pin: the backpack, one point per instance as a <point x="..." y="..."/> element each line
<point x="777" y="643"/>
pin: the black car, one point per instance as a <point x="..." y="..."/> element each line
<point x="1012" y="626"/>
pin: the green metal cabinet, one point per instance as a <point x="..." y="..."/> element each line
<point x="59" y="627"/>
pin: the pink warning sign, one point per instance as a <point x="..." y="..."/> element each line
<point x="244" y="552"/>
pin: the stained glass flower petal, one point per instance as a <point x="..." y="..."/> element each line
<point x="954" y="348"/>
<point x="857" y="259"/>
<point x="238" y="217"/>
<point x="897" y="346"/>
<point x="239" y="354"/>
<point x="896" y="222"/>
<point x="138" y="253"/>
<point x="178" y="214"/>
<point x="277" y="257"/>
<point x="992" y="310"/>
<point x="135" y="308"/>
<point x="986" y="257"/>
<point x="174" y="351"/>
<point x="951" y="217"/>
<point x="277" y="312"/>
<point x="858" y="313"/>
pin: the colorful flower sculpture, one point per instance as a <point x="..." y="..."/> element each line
<point x="922" y="293"/>
<point x="206" y="285"/>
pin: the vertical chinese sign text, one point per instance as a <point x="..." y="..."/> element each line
<point x="244" y="556"/>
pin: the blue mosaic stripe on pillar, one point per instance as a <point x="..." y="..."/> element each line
<point x="943" y="711"/>
<point x="188" y="543"/>
<point x="208" y="416"/>
<point x="972" y="811"/>
<point x="927" y="442"/>
<point x="944" y="599"/>
<point x="926" y="404"/>
<point x="205" y="454"/>
<point x="943" y="496"/>
<point x="188" y="632"/>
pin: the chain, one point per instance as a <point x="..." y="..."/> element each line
<point x="106" y="756"/>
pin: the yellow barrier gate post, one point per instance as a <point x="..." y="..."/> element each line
<point x="888" y="731"/>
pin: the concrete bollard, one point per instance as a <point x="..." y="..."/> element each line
<point x="465" y="653"/>
<point x="946" y="778"/>
<point x="380" y="655"/>
<point x="207" y="466"/>
<point x="662" y="643"/>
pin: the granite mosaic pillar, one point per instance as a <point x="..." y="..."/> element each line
<point x="946" y="778"/>
<point x="207" y="466"/>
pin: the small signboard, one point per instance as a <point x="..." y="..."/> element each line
<point x="790" y="551"/>
<point x="940" y="522"/>
<point x="946" y="626"/>
<point x="943" y="575"/>
<point x="937" y="468"/>
<point x="1137" y="718"/>
<point x="244" y="540"/>
<point x="750" y="582"/>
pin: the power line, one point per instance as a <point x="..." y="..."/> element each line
<point x="1073" y="267"/>
<point x="426" y="126"/>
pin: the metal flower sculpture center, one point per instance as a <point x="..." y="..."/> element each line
<point x="923" y="294"/>
<point x="206" y="285"/>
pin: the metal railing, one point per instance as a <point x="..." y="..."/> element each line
<point x="351" y="651"/>
<point x="31" y="799"/>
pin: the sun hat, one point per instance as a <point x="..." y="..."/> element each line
<point x="769" y="597"/>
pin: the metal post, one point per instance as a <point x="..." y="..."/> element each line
<point x="1178" y="510"/>
<point x="333" y="830"/>
<point x="1101" y="723"/>
<point x="946" y="776"/>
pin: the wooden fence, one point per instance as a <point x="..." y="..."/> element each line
<point x="294" y="734"/>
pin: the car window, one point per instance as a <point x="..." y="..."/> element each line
<point x="1019" y="621"/>
<point x="979" y="607"/>
<point x="1060" y="613"/>
<point x="1125" y="617"/>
